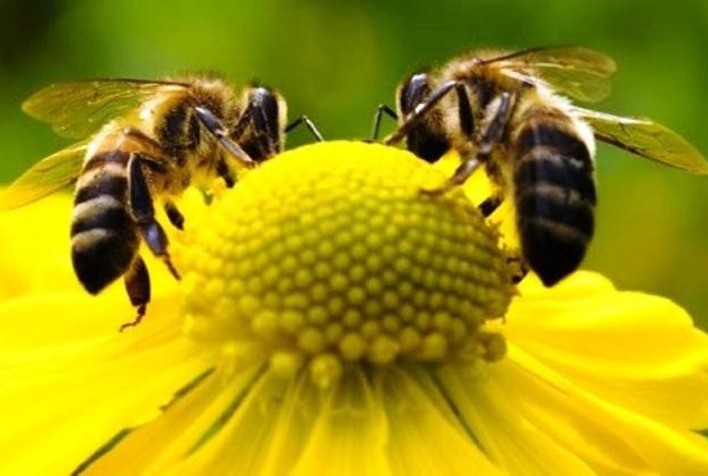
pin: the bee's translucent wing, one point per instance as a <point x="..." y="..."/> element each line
<point x="577" y="72"/>
<point x="79" y="109"/>
<point x="47" y="176"/>
<point x="646" y="138"/>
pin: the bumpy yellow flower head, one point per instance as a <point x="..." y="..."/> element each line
<point x="325" y="258"/>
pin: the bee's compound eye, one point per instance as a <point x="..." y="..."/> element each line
<point x="266" y="107"/>
<point x="414" y="91"/>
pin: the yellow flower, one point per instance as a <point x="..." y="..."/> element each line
<point x="334" y="321"/>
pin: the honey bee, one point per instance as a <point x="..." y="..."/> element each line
<point x="510" y="113"/>
<point x="143" y="141"/>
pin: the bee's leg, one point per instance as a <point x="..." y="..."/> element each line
<point x="422" y="108"/>
<point x="143" y="211"/>
<point x="214" y="126"/>
<point x="174" y="215"/>
<point x="489" y="139"/>
<point x="225" y="172"/>
<point x="310" y="126"/>
<point x="519" y="268"/>
<point x="137" y="284"/>
<point x="380" y="111"/>
<point x="462" y="173"/>
<point x="490" y="204"/>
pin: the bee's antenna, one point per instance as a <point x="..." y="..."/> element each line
<point x="217" y="129"/>
<point x="422" y="109"/>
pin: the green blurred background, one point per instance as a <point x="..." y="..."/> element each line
<point x="335" y="61"/>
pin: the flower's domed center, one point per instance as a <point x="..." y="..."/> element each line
<point x="328" y="254"/>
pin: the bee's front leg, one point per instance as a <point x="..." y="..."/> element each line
<point x="309" y="124"/>
<point x="225" y="172"/>
<point x="380" y="111"/>
<point x="143" y="211"/>
<point x="174" y="215"/>
<point x="490" y="205"/>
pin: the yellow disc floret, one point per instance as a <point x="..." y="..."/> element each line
<point x="328" y="255"/>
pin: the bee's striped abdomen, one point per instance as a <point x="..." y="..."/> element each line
<point x="104" y="238"/>
<point x="554" y="194"/>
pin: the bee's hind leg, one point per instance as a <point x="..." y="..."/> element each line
<point x="137" y="284"/>
<point x="143" y="211"/>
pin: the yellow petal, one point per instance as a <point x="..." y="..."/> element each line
<point x="607" y="437"/>
<point x="506" y="435"/>
<point x="638" y="351"/>
<point x="77" y="388"/>
<point x="293" y="427"/>
<point x="197" y="414"/>
<point x="246" y="428"/>
<point x="349" y="433"/>
<point x="35" y="248"/>
<point x="426" y="437"/>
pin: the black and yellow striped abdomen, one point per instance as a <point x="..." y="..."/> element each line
<point x="554" y="195"/>
<point x="104" y="237"/>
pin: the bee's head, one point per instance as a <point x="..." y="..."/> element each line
<point x="260" y="128"/>
<point x="427" y="138"/>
